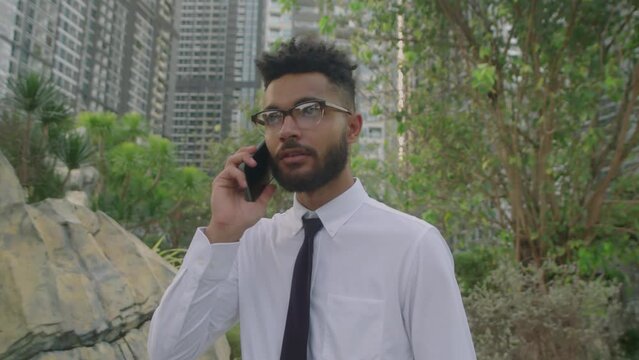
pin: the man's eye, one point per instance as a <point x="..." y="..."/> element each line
<point x="272" y="117"/>
<point x="310" y="109"/>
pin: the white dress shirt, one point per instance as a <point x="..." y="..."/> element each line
<point x="383" y="287"/>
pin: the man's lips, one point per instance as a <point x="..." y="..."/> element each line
<point x="295" y="155"/>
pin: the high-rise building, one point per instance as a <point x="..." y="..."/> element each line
<point x="278" y="24"/>
<point x="104" y="55"/>
<point x="8" y="11"/>
<point x="216" y="80"/>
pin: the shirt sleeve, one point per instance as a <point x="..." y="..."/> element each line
<point x="200" y="304"/>
<point x="433" y="312"/>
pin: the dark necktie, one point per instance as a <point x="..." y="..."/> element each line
<point x="297" y="320"/>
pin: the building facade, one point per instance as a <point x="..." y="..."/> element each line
<point x="104" y="55"/>
<point x="216" y="79"/>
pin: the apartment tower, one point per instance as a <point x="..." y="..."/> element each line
<point x="104" y="55"/>
<point x="216" y="78"/>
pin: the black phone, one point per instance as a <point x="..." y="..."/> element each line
<point x="259" y="176"/>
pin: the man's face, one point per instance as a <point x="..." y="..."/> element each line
<point x="305" y="159"/>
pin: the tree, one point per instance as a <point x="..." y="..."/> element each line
<point x="142" y="186"/>
<point x="126" y="162"/>
<point x="74" y="150"/>
<point x="131" y="126"/>
<point x="56" y="115"/>
<point x="99" y="127"/>
<point x="33" y="97"/>
<point x="161" y="157"/>
<point x="520" y="116"/>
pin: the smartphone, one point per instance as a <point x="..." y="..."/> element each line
<point x="259" y="176"/>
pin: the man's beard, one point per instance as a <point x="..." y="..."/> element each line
<point x="327" y="170"/>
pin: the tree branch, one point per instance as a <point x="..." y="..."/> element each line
<point x="452" y="11"/>
<point x="622" y="149"/>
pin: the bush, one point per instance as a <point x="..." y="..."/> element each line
<point x="513" y="317"/>
<point x="474" y="265"/>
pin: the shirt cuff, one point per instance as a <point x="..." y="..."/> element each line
<point x="211" y="261"/>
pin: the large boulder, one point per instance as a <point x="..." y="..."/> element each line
<point x="73" y="283"/>
<point x="10" y="190"/>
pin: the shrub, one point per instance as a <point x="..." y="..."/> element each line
<point x="474" y="265"/>
<point x="512" y="316"/>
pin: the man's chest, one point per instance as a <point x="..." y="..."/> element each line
<point x="356" y="307"/>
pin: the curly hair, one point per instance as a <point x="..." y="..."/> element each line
<point x="309" y="54"/>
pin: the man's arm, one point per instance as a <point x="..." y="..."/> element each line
<point x="433" y="312"/>
<point x="201" y="303"/>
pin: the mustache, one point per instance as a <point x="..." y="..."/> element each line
<point x="292" y="144"/>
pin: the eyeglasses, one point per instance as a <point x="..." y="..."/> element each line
<point x="306" y="114"/>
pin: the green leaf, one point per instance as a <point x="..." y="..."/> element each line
<point x="327" y="25"/>
<point x="410" y="57"/>
<point x="366" y="54"/>
<point x="288" y="5"/>
<point x="356" y="6"/>
<point x="483" y="78"/>
<point x="484" y="52"/>
<point x="375" y="110"/>
<point x="401" y="128"/>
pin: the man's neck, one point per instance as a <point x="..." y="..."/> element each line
<point x="315" y="199"/>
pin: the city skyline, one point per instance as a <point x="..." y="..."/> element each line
<point x="186" y="65"/>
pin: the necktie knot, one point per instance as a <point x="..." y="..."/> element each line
<point x="311" y="226"/>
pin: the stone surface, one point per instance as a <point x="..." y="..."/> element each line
<point x="10" y="189"/>
<point x="73" y="283"/>
<point x="77" y="197"/>
<point x="83" y="179"/>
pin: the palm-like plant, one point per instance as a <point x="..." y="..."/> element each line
<point x="160" y="155"/>
<point x="99" y="126"/>
<point x="54" y="114"/>
<point x="124" y="161"/>
<point x="131" y="126"/>
<point x="74" y="150"/>
<point x="30" y="96"/>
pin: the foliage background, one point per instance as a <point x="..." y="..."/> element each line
<point x="519" y="141"/>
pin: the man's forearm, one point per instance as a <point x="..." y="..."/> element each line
<point x="180" y="328"/>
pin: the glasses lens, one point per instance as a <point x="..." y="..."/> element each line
<point x="270" y="118"/>
<point x="308" y="113"/>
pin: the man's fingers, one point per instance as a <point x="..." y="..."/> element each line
<point x="231" y="177"/>
<point x="237" y="175"/>
<point x="243" y="155"/>
<point x="248" y="160"/>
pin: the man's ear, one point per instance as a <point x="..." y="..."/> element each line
<point x="354" y="127"/>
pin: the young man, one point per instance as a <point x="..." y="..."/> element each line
<point x="337" y="276"/>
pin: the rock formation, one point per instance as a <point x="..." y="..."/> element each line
<point x="73" y="283"/>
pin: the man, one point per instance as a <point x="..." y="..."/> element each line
<point x="368" y="282"/>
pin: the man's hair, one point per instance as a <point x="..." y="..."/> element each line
<point x="309" y="54"/>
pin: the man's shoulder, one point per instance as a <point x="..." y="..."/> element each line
<point x="386" y="215"/>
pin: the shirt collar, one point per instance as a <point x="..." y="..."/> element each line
<point x="334" y="213"/>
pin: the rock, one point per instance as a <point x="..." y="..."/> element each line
<point x="77" y="197"/>
<point x="126" y="348"/>
<point x="83" y="179"/>
<point x="73" y="283"/>
<point x="10" y="189"/>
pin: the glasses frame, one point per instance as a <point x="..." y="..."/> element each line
<point x="323" y="106"/>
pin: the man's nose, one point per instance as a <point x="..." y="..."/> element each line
<point x="289" y="128"/>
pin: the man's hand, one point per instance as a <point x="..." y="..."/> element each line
<point x="231" y="215"/>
